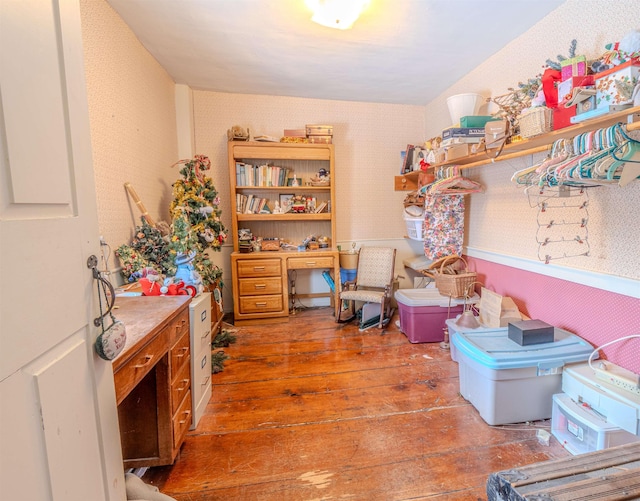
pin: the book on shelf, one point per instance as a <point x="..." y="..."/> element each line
<point x="248" y="175"/>
<point x="408" y="159"/>
<point x="320" y="208"/>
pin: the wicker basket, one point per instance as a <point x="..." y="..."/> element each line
<point x="451" y="281"/>
<point x="536" y="121"/>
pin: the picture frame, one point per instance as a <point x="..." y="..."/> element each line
<point x="285" y="199"/>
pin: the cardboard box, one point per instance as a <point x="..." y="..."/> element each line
<point x="615" y="85"/>
<point x="527" y="332"/>
<point x="460" y="140"/>
<point x="496" y="310"/>
<point x="455" y="151"/>
<point x="573" y="67"/>
<point x="463" y="132"/>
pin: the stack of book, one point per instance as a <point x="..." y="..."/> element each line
<point x="461" y="135"/>
<point x="250" y="204"/>
<point x="261" y="175"/>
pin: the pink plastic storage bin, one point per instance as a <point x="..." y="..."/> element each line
<point x="423" y="313"/>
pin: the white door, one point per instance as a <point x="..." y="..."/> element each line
<point x="59" y="435"/>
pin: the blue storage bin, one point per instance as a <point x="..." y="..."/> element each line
<point x="347" y="275"/>
<point x="510" y="383"/>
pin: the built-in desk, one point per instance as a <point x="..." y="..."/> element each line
<point x="261" y="285"/>
<point x="152" y="378"/>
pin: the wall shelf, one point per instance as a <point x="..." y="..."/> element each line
<point x="409" y="182"/>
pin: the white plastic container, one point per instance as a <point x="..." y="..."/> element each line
<point x="463" y="105"/>
<point x="455" y="330"/>
<point x="579" y="429"/>
<point x="620" y="408"/>
<point x="509" y="383"/>
<point x="414" y="226"/>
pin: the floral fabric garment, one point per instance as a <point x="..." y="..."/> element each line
<point x="443" y="229"/>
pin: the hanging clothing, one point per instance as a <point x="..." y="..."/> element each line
<point x="443" y="229"/>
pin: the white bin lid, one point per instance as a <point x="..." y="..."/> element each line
<point x="495" y="350"/>
<point x="428" y="297"/>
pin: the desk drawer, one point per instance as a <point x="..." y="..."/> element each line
<point x="135" y="369"/>
<point x="179" y="355"/>
<point x="180" y="387"/>
<point x="262" y="286"/>
<point x="260" y="304"/>
<point x="250" y="268"/>
<point x="179" y="326"/>
<point x="300" y="263"/>
<point x="182" y="421"/>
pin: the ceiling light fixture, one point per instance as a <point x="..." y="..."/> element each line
<point x="340" y="14"/>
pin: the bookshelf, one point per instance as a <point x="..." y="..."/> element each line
<point x="261" y="171"/>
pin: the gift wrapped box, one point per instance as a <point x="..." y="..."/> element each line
<point x="615" y="85"/>
<point x="573" y="67"/>
<point x="566" y="87"/>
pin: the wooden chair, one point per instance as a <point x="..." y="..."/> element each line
<point x="373" y="282"/>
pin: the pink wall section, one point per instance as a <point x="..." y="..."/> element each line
<point x="593" y="314"/>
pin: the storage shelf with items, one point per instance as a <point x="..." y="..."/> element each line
<point x="281" y="193"/>
<point x="536" y="144"/>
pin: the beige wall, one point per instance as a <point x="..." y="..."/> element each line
<point x="368" y="139"/>
<point x="133" y="123"/>
<point x="502" y="220"/>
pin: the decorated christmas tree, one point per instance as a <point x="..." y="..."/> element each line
<point x="195" y="217"/>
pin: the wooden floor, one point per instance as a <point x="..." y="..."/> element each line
<point x="314" y="410"/>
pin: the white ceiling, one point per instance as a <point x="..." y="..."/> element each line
<point x="399" y="51"/>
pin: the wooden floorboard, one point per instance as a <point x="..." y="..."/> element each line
<point x="314" y="410"/>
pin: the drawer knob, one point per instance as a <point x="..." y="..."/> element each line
<point x="185" y="385"/>
<point x="311" y="263"/>
<point x="147" y="361"/>
<point x="204" y="336"/>
<point x="206" y="381"/>
<point x="260" y="286"/>
<point x="186" y="415"/>
<point x="258" y="268"/>
<point x="260" y="305"/>
<point x="183" y="352"/>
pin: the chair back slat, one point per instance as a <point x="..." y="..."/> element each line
<point x="375" y="267"/>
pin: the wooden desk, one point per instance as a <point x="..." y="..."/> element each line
<point x="261" y="283"/>
<point x="152" y="378"/>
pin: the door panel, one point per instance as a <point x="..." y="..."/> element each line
<point x="68" y="422"/>
<point x="59" y="433"/>
<point x="28" y="96"/>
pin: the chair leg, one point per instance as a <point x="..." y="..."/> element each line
<point x="352" y="313"/>
<point x="381" y="314"/>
